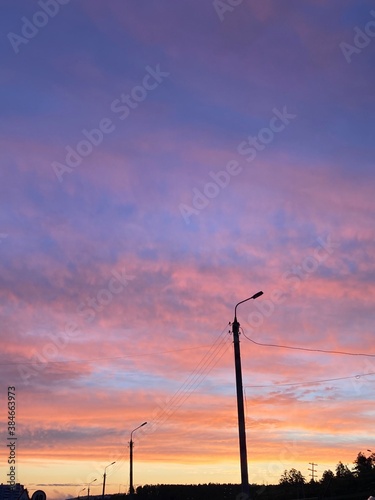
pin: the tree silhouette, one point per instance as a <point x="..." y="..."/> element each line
<point x="356" y="484"/>
<point x="293" y="480"/>
<point x="343" y="471"/>
<point x="327" y="476"/>
<point x="364" y="469"/>
<point x="293" y="476"/>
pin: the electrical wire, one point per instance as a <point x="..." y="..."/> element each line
<point x="176" y="404"/>
<point x="312" y="381"/>
<point x="324" y="351"/>
<point x="193" y="381"/>
<point x="206" y="364"/>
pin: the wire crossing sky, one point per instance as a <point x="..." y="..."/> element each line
<point x="161" y="162"/>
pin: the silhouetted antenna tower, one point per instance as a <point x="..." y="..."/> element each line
<point x="313" y="471"/>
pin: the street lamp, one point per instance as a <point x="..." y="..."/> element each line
<point x="240" y="405"/>
<point x="131" y="488"/>
<point x="88" y="488"/>
<point x="80" y="491"/>
<point x="104" y="476"/>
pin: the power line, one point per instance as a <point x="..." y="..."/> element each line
<point x="193" y="381"/>
<point x="312" y="381"/>
<point x="324" y="351"/>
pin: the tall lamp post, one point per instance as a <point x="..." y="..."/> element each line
<point x="88" y="488"/>
<point x="131" y="488"/>
<point x="240" y="406"/>
<point x="104" y="477"/>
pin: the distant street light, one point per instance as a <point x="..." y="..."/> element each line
<point x="83" y="489"/>
<point x="104" y="476"/>
<point x="88" y="488"/>
<point x="131" y="488"/>
<point x="240" y="405"/>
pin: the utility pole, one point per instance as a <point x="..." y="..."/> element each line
<point x="131" y="487"/>
<point x="240" y="404"/>
<point x="313" y="471"/>
<point x="104" y="478"/>
<point x="88" y="488"/>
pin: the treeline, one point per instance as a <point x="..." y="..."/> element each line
<point x="357" y="483"/>
<point x="188" y="492"/>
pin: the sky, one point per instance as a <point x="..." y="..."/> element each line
<point x="161" y="162"/>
